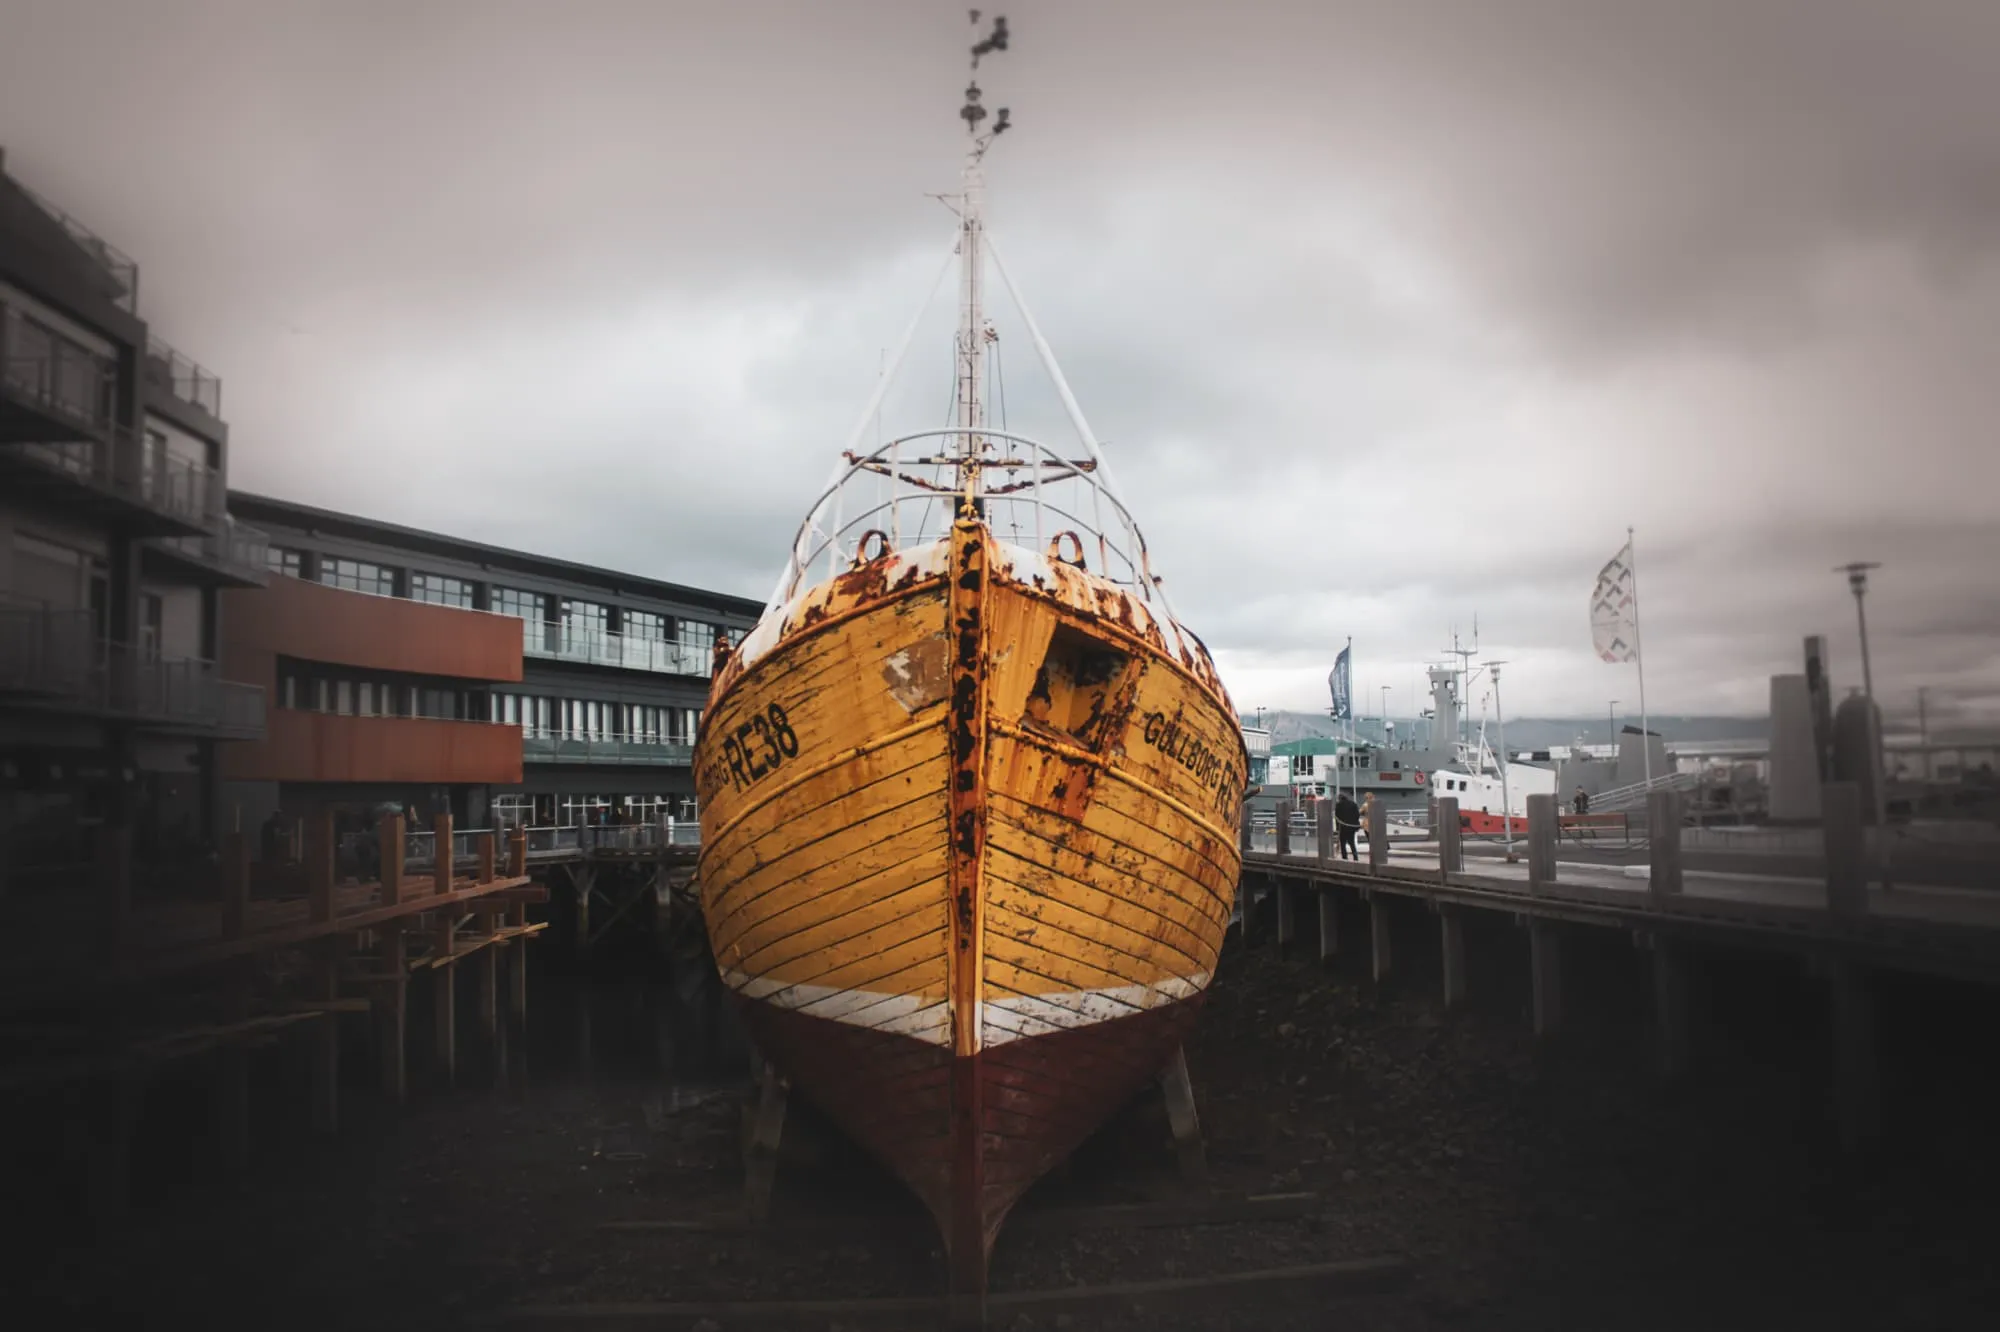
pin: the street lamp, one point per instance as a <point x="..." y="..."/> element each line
<point x="1500" y="724"/>
<point x="1387" y="738"/>
<point x="1857" y="580"/>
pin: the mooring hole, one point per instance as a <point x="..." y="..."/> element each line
<point x="1079" y="676"/>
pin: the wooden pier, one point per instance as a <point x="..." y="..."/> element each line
<point x="102" y="992"/>
<point x="1843" y="924"/>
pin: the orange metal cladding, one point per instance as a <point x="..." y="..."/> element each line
<point x="969" y="849"/>
<point x="333" y="626"/>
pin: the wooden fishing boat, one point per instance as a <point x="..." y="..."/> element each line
<point x="969" y="799"/>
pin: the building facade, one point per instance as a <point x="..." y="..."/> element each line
<point x="115" y="545"/>
<point x="611" y="668"/>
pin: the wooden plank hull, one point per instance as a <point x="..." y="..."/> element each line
<point x="968" y="854"/>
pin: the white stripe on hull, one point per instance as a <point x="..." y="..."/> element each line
<point x="1001" y="1020"/>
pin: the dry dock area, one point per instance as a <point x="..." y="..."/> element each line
<point x="1350" y="1113"/>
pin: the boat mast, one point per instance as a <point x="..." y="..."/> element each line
<point x="972" y="330"/>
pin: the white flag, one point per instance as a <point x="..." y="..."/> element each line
<point x="1614" y="612"/>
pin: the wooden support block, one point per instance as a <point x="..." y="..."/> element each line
<point x="1663" y="835"/>
<point x="326" y="1040"/>
<point x="235" y="884"/>
<point x="1378" y="935"/>
<point x="1541" y="841"/>
<point x="1282" y="926"/>
<point x="394" y="996"/>
<point x="1856" y="1079"/>
<point x="1323" y="831"/>
<point x="1329" y="923"/>
<point x="767" y="1128"/>
<point x="442" y="854"/>
<point x="1545" y="976"/>
<point x="486" y="857"/>
<point x="1846" y="849"/>
<point x="1179" y="1092"/>
<point x="1451" y="842"/>
<point x="1451" y="932"/>
<point x="517" y="852"/>
<point x="1284" y="827"/>
<point x="1378" y="837"/>
<point x="1670" y="1001"/>
<point x="389" y="832"/>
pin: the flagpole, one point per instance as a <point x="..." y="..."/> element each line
<point x="1639" y="656"/>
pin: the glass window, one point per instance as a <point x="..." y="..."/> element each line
<point x="440" y="590"/>
<point x="701" y="637"/>
<point x="645" y="624"/>
<point x="343" y="698"/>
<point x="280" y="560"/>
<point x="523" y="605"/>
<point x="358" y="576"/>
<point x="364" y="702"/>
<point x="583" y="623"/>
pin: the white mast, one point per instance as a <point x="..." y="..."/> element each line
<point x="972" y="331"/>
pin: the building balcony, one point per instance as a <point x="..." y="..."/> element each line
<point x="544" y="747"/>
<point x="667" y="656"/>
<point x="119" y="271"/>
<point x="235" y="555"/>
<point x="50" y="387"/>
<point x="167" y="369"/>
<point x="303" y="746"/>
<point x="118" y="479"/>
<point x="53" y="660"/>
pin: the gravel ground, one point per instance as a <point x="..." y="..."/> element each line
<point x="1529" y="1189"/>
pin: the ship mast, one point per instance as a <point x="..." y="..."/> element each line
<point x="973" y="333"/>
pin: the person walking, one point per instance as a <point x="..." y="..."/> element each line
<point x="1582" y="801"/>
<point x="1347" y="820"/>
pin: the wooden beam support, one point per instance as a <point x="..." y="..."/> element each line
<point x="760" y="1154"/>
<point x="1670" y="999"/>
<point x="326" y="1040"/>
<point x="235" y="884"/>
<point x="319" y="866"/>
<point x="1451" y="842"/>
<point x="1846" y="849"/>
<point x="486" y="857"/>
<point x="1663" y="837"/>
<point x="1329" y="923"/>
<point x="1378" y="836"/>
<point x="1378" y="934"/>
<point x="443" y="854"/>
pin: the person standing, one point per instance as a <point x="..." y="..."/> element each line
<point x="1347" y="820"/>
<point x="1582" y="801"/>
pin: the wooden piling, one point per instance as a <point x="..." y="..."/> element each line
<point x="1243" y="832"/>
<point x="1284" y="822"/>
<point x="1283" y="894"/>
<point x="1451" y="935"/>
<point x="1451" y="840"/>
<point x="444" y="1008"/>
<point x="235" y="884"/>
<point x="1378" y="935"/>
<point x="326" y="1040"/>
<point x="1856" y="1086"/>
<point x="389" y="833"/>
<point x="767" y="1130"/>
<point x="1663" y="834"/>
<point x="1541" y="841"/>
<point x="1378" y="837"/>
<point x="1545" y="976"/>
<point x="442" y="855"/>
<point x="1329" y="923"/>
<point x="1846" y="848"/>
<point x="393" y="1013"/>
<point x="517" y="972"/>
<point x="1323" y="831"/>
<point x="231" y="1112"/>
<point x="319" y="855"/>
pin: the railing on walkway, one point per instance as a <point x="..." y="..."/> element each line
<point x="543" y="747"/>
<point x="120" y="463"/>
<point x="120" y="267"/>
<point x="420" y="848"/>
<point x="668" y="656"/>
<point x="236" y="547"/>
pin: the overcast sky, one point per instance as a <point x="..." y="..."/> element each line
<point x="1389" y="314"/>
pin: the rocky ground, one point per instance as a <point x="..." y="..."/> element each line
<point x="1529" y="1189"/>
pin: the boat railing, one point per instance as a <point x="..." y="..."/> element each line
<point x="903" y="496"/>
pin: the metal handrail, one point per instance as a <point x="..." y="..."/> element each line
<point x="420" y="847"/>
<point x="57" y="654"/>
<point x="550" y="747"/>
<point x="234" y="546"/>
<point x="63" y="378"/>
<point x="120" y="463"/>
<point x="183" y="377"/>
<point x="1120" y="547"/>
<point x="121" y="267"/>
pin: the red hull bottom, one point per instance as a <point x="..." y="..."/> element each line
<point x="970" y="1134"/>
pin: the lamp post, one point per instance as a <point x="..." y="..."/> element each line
<point x="1857" y="582"/>
<point x="1387" y="738"/>
<point x="1500" y="724"/>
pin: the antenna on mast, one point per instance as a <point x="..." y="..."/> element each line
<point x="972" y="330"/>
